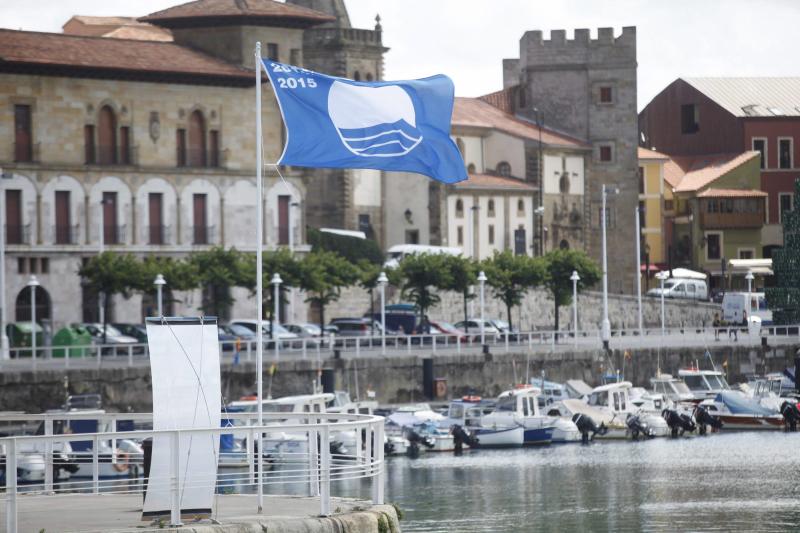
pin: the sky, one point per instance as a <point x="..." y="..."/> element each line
<point x="468" y="39"/>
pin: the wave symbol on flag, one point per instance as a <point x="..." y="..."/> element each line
<point x="374" y="121"/>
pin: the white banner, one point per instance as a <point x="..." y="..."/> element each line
<point x="184" y="362"/>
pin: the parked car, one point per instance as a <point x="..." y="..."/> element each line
<point x="735" y="304"/>
<point x="361" y="327"/>
<point x="688" y="289"/>
<point x="227" y="338"/>
<point x="137" y="331"/>
<point x="304" y="330"/>
<point x="504" y="327"/>
<point x="448" y="329"/>
<point x="286" y="337"/>
<point x="473" y="327"/>
<point x="117" y="343"/>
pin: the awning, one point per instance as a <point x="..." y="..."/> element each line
<point x="654" y="269"/>
<point x="759" y="267"/>
<point x="685" y="273"/>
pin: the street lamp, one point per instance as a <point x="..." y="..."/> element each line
<point x="33" y="283"/>
<point x="159" y="283"/>
<point x="4" y="351"/>
<point x="539" y="119"/>
<point x="382" y="281"/>
<point x="482" y="281"/>
<point x="749" y="277"/>
<point x="662" y="277"/>
<point x="575" y="278"/>
<point x="276" y="282"/>
<point x="473" y="213"/>
<point x="101" y="310"/>
<point x="292" y="207"/>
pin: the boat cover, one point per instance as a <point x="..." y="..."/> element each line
<point x="738" y="404"/>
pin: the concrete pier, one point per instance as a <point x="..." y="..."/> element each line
<point x="118" y="513"/>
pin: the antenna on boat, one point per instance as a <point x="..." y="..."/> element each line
<point x="710" y="358"/>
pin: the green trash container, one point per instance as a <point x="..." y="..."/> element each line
<point x="19" y="336"/>
<point x="71" y="336"/>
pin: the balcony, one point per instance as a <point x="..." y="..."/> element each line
<point x="27" y="153"/>
<point x="732" y="220"/>
<point x="199" y="158"/>
<point x="113" y="234"/>
<point x="202" y="235"/>
<point x="158" y="235"/>
<point x="65" y="234"/>
<point x="109" y="155"/>
<point x="18" y="233"/>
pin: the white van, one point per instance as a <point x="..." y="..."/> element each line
<point x="396" y="253"/>
<point x="735" y="303"/>
<point x="690" y="289"/>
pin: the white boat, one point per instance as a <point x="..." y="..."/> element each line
<point x="737" y="411"/>
<point x="673" y="389"/>
<point x="519" y="409"/>
<point x="342" y="403"/>
<point x="703" y="384"/>
<point x="424" y="421"/>
<point x="611" y="406"/>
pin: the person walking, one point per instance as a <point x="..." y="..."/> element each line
<point x="716" y="324"/>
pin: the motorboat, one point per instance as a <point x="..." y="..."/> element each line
<point x="342" y="403"/>
<point x="674" y="389"/>
<point x="519" y="408"/>
<point x="738" y="411"/>
<point x="703" y="384"/>
<point x="419" y="421"/>
<point x="610" y="406"/>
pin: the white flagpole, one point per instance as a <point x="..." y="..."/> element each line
<point x="259" y="296"/>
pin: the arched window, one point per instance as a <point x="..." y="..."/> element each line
<point x="564" y="245"/>
<point x="490" y="208"/>
<point x="460" y="144"/>
<point x="357" y="76"/>
<point x="369" y="76"/>
<point x="22" y="307"/>
<point x="471" y="168"/>
<point x="503" y="168"/>
<point x="107" y="136"/>
<point x="459" y="208"/>
<point x="520" y="207"/>
<point x="563" y="183"/>
<point x="197" y="140"/>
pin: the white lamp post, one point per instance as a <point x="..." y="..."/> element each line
<point x="33" y="283"/>
<point x="606" y="326"/>
<point x="4" y="351"/>
<point x="276" y="283"/>
<point x="482" y="281"/>
<point x="382" y="281"/>
<point x="662" y="277"/>
<point x="575" y="278"/>
<point x="159" y="283"/>
<point x="749" y="277"/>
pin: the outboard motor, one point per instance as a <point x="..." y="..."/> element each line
<point x="679" y="423"/>
<point x="337" y="448"/>
<point x="704" y="420"/>
<point x="637" y="426"/>
<point x="791" y="415"/>
<point x="586" y="426"/>
<point x="462" y="437"/>
<point x="415" y="439"/>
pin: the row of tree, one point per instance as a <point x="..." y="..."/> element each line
<point x="322" y="274"/>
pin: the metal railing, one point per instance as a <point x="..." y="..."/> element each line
<point x="18" y="233"/>
<point x="321" y="462"/>
<point x="65" y="234"/>
<point x="157" y="235"/>
<point x="317" y="348"/>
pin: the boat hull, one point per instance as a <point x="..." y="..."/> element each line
<point x="746" y="422"/>
<point x="500" y="438"/>
<point x="537" y="436"/>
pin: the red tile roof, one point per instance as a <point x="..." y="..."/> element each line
<point x="474" y="112"/>
<point x="501" y="99"/>
<point x="56" y="53"/>
<point x="692" y="173"/>
<point x="487" y="181"/>
<point x="732" y="193"/>
<point x="211" y="11"/>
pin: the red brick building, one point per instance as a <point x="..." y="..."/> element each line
<point x="709" y="116"/>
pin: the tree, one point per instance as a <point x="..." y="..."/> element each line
<point x="422" y="273"/>
<point x="559" y="265"/>
<point x="110" y="273"/>
<point x="463" y="275"/>
<point x="218" y="270"/>
<point x="511" y="276"/>
<point x="323" y="275"/>
<point x="281" y="262"/>
<point x="784" y="298"/>
<point x="353" y="249"/>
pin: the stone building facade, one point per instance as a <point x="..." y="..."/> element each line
<point x="586" y="88"/>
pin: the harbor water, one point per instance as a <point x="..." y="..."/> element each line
<point x="723" y="482"/>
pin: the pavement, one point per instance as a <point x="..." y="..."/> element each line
<point x="118" y="513"/>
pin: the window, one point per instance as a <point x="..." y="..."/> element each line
<point x="45" y="265"/>
<point x="641" y="181"/>
<point x="155" y="207"/>
<point x="200" y="220"/>
<point x="713" y="246"/>
<point x="491" y="233"/>
<point x="107" y="136"/>
<point x="89" y="152"/>
<point x="609" y="217"/>
<point x="606" y="153"/>
<point x="522" y="97"/>
<point x="33" y="265"/>
<point x="785" y="153"/>
<point x="669" y="205"/>
<point x="606" y="95"/>
<point x="746" y="253"/>
<point x="471" y="168"/>
<point x="786" y="201"/>
<point x="520" y="207"/>
<point x="357" y="76"/>
<point x="180" y="145"/>
<point x="460" y="235"/>
<point x="125" y="145"/>
<point x="459" y="208"/>
<point x="63" y="234"/>
<point x="642" y="214"/>
<point x="272" y="51"/>
<point x="197" y="139"/>
<point x="22" y="265"/>
<point x="690" y="118"/>
<point x="213" y="148"/>
<point x="283" y="218"/>
<point x="412" y="236"/>
<point x="503" y="168"/>
<point x="365" y="225"/>
<point x="110" y="228"/>
<point x="490" y="208"/>
<point x="369" y="76"/>
<point x="760" y="145"/>
<point x="14" y="227"/>
<point x="23" y="135"/>
<point x="563" y="183"/>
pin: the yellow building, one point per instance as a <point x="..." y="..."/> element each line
<point x="655" y="198"/>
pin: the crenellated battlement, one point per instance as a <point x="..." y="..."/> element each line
<point x="581" y="37"/>
<point x="348" y="36"/>
<point x="581" y="49"/>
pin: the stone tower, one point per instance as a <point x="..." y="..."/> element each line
<point x="349" y="199"/>
<point x="586" y="88"/>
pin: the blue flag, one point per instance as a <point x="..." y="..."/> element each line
<point x="339" y="123"/>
